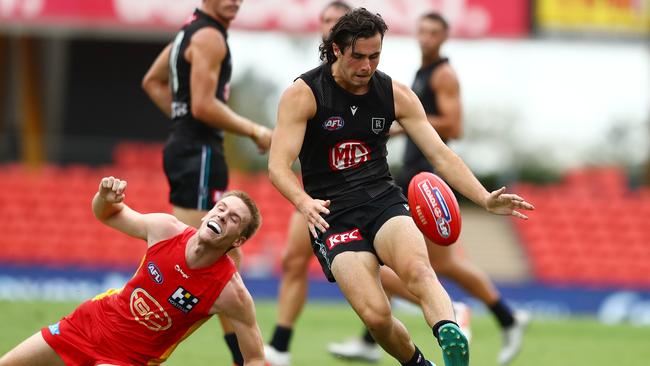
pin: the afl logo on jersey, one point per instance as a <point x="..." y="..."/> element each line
<point x="155" y="273"/>
<point x="348" y="154"/>
<point x="333" y="124"/>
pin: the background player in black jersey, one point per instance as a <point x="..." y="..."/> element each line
<point x="438" y="89"/>
<point x="292" y="292"/>
<point x="189" y="81"/>
<point x="337" y="117"/>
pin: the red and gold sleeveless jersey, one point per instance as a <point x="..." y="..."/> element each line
<point x="161" y="305"/>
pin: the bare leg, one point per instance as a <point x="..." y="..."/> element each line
<point x="295" y="262"/>
<point x="32" y="351"/>
<point x="447" y="262"/>
<point x="357" y="274"/>
<point x="401" y="246"/>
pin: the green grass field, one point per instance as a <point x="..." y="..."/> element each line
<point x="579" y="341"/>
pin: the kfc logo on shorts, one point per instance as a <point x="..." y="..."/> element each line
<point x="343" y="238"/>
<point x="333" y="124"/>
<point x="155" y="273"/>
<point x="348" y="154"/>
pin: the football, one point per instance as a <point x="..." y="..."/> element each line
<point x="434" y="208"/>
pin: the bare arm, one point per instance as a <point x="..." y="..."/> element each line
<point x="206" y="51"/>
<point x="296" y="107"/>
<point x="411" y="115"/>
<point x="448" y="124"/>
<point x="236" y="304"/>
<point x="156" y="82"/>
<point x="109" y="208"/>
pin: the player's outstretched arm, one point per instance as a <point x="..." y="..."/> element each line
<point x="156" y="82"/>
<point x="206" y="52"/>
<point x="109" y="208"/>
<point x="411" y="116"/>
<point x="296" y="107"/>
<point x="236" y="304"/>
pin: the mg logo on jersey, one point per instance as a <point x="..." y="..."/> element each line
<point x="348" y="154"/>
<point x="343" y="238"/>
<point x="183" y="300"/>
<point x="378" y="125"/>
<point x="333" y="123"/>
<point x="148" y="312"/>
<point x="155" y="273"/>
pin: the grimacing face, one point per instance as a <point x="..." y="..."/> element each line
<point x="359" y="61"/>
<point x="225" y="222"/>
<point x="329" y="17"/>
<point x="431" y="34"/>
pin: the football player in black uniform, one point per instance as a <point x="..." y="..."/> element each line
<point x="297" y="254"/>
<point x="336" y="118"/>
<point x="438" y="89"/>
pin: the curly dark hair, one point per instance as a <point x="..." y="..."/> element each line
<point x="358" y="23"/>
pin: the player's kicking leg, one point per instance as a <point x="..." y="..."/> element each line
<point x="401" y="246"/>
<point x="358" y="278"/>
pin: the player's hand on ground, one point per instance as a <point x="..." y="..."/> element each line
<point x="501" y="203"/>
<point x="262" y="138"/>
<point x="312" y="209"/>
<point x="112" y="189"/>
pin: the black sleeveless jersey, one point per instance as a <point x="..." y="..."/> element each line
<point x="422" y="88"/>
<point x="185" y="125"/>
<point x="343" y="155"/>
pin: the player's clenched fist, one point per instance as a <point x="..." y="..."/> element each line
<point x="111" y="189"/>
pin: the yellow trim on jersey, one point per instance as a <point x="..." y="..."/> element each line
<point x="113" y="291"/>
<point x="168" y="352"/>
<point x="109" y="292"/>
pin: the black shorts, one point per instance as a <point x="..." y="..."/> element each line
<point x="196" y="172"/>
<point x="354" y="229"/>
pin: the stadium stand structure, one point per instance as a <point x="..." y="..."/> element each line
<point x="46" y="217"/>
<point x="588" y="229"/>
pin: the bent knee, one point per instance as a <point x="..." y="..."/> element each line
<point x="376" y="318"/>
<point x="419" y="272"/>
<point x="295" y="262"/>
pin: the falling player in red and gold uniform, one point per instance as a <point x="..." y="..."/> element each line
<point x="184" y="278"/>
